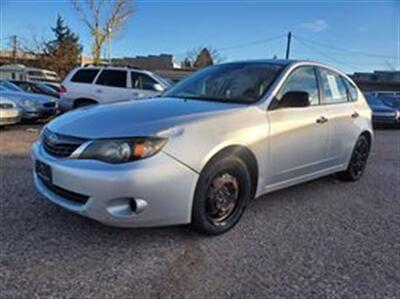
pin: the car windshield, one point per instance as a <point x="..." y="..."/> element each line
<point x="45" y="88"/>
<point x="10" y="86"/>
<point x="235" y="82"/>
<point x="392" y="101"/>
<point x="373" y="100"/>
<point x="166" y="81"/>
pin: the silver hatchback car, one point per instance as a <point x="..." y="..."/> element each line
<point x="202" y="151"/>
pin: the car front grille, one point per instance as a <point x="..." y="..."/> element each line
<point x="60" y="146"/>
<point x="50" y="104"/>
<point x="69" y="195"/>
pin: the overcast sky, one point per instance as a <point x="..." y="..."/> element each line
<point x="351" y="35"/>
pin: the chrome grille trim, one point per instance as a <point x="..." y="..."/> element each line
<point x="60" y="146"/>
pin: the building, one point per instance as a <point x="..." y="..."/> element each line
<point x="378" y="80"/>
<point x="150" y="62"/>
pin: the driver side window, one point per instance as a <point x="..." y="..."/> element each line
<point x="142" y="81"/>
<point x="302" y="79"/>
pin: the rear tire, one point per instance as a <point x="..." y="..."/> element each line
<point x="222" y="194"/>
<point x="358" y="161"/>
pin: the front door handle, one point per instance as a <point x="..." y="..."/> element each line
<point x="322" y="120"/>
<point x="99" y="91"/>
<point x="355" y="114"/>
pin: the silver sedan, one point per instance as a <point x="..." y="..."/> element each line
<point x="200" y="153"/>
<point x="33" y="106"/>
<point x="9" y="112"/>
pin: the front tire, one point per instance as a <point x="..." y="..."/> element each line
<point x="358" y="161"/>
<point x="222" y="194"/>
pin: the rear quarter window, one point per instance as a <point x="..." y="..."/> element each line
<point x="84" y="76"/>
<point x="352" y="91"/>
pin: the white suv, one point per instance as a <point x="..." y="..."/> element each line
<point x="94" y="85"/>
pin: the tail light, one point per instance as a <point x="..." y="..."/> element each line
<point x="63" y="89"/>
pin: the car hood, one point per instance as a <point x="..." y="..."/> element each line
<point x="381" y="108"/>
<point x="135" y="118"/>
<point x="21" y="96"/>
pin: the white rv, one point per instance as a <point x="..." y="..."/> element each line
<point x="22" y="73"/>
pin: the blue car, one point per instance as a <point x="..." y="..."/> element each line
<point x="385" y="110"/>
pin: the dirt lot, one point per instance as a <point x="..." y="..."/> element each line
<point x="321" y="239"/>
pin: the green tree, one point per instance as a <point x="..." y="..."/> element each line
<point x="64" y="51"/>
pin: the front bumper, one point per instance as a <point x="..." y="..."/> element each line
<point x="65" y="104"/>
<point x="38" y="113"/>
<point x="9" y="116"/>
<point x="385" y="119"/>
<point x="163" y="187"/>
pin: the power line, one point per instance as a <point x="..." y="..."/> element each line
<point x="304" y="43"/>
<point x="350" y="51"/>
<point x="263" y="41"/>
<point x="244" y="45"/>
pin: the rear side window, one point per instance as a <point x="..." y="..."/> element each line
<point x="84" y="76"/>
<point x="142" y="81"/>
<point x="333" y="88"/>
<point x="112" y="78"/>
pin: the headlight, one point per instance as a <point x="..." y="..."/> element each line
<point x="28" y="103"/>
<point x="123" y="150"/>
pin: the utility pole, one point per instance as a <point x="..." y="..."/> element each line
<point x="109" y="29"/>
<point x="289" y="39"/>
<point x="14" y="48"/>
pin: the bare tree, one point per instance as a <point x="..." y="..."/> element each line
<point x="103" y="25"/>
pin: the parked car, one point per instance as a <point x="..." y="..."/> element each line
<point x="210" y="144"/>
<point x="91" y="85"/>
<point x="382" y="113"/>
<point x="34" y="106"/>
<point x="55" y="86"/>
<point x="382" y="93"/>
<point x="10" y="86"/>
<point x="36" y="87"/>
<point x="9" y="112"/>
<point x="391" y="101"/>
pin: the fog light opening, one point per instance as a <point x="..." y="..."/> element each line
<point x="133" y="205"/>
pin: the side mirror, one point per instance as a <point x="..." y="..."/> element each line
<point x="158" y="87"/>
<point x="295" y="99"/>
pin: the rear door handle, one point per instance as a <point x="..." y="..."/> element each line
<point x="99" y="91"/>
<point x="322" y="120"/>
<point x="355" y="114"/>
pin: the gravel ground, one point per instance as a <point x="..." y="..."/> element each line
<point x="320" y="239"/>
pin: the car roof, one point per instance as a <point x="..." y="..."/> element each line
<point x="266" y="61"/>
<point x="118" y="68"/>
<point x="283" y="62"/>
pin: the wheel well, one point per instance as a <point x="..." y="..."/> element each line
<point x="247" y="156"/>
<point x="367" y="135"/>
<point x="83" y="100"/>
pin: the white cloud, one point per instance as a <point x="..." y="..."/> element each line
<point x="362" y="28"/>
<point x="315" y="26"/>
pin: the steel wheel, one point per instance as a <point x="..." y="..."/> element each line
<point x="222" y="197"/>
<point x="222" y="193"/>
